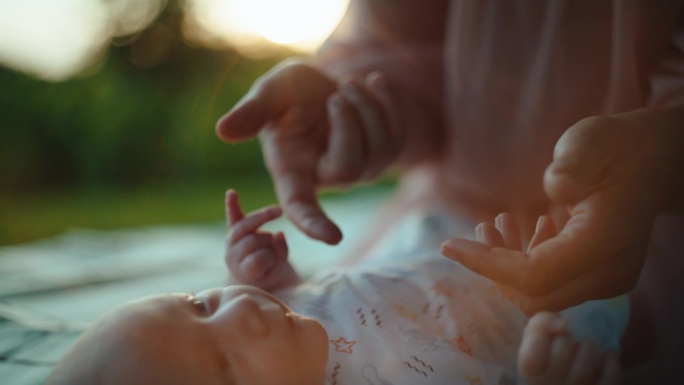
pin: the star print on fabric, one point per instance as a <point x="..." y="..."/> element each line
<point x="463" y="345"/>
<point x="342" y="345"/>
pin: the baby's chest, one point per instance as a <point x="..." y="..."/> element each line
<point x="365" y="359"/>
<point x="389" y="345"/>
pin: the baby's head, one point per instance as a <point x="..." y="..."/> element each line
<point x="236" y="335"/>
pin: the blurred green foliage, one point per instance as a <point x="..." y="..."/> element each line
<point x="125" y="144"/>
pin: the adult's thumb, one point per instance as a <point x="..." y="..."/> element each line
<point x="579" y="161"/>
<point x="244" y="121"/>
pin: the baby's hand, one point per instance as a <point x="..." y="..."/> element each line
<point x="254" y="257"/>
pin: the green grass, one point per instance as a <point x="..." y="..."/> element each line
<point x="30" y="217"/>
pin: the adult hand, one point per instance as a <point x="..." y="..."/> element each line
<point x="614" y="174"/>
<point x="315" y="133"/>
<point x="255" y="257"/>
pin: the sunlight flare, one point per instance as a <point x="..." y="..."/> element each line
<point x="298" y="24"/>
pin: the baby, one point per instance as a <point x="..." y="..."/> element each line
<point x="423" y="319"/>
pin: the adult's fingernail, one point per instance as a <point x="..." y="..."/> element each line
<point x="540" y="223"/>
<point x="351" y="87"/>
<point x="324" y="230"/>
<point x="465" y="246"/>
<point x="498" y="221"/>
<point x="377" y="81"/>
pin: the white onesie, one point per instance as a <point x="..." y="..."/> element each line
<point x="429" y="321"/>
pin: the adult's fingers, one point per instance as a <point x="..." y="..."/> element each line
<point x="380" y="88"/>
<point x="497" y="263"/>
<point x="606" y="281"/>
<point x="546" y="229"/>
<point x="286" y="85"/>
<point x="343" y="161"/>
<point x="506" y="233"/>
<point x="520" y="285"/>
<point x="509" y="229"/>
<point x="378" y="140"/>
<point x="486" y="233"/>
<point x="297" y="195"/>
<point x="252" y="222"/>
<point x="250" y="114"/>
<point x="549" y="265"/>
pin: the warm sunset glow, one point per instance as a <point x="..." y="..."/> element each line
<point x="58" y="39"/>
<point x="298" y="24"/>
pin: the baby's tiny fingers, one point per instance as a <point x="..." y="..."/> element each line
<point x="252" y="222"/>
<point x="247" y="245"/>
<point x="233" y="211"/>
<point x="256" y="265"/>
<point x="280" y="245"/>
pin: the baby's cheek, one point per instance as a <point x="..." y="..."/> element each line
<point x="313" y="353"/>
<point x="318" y="339"/>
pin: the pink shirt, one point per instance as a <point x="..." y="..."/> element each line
<point x="517" y="74"/>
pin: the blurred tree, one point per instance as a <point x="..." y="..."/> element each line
<point x="144" y="115"/>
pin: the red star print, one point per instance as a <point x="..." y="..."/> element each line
<point x="342" y="345"/>
<point x="463" y="345"/>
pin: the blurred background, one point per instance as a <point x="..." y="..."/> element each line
<point x="107" y="107"/>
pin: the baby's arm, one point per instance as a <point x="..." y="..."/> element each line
<point x="255" y="257"/>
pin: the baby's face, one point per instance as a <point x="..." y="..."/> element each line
<point x="235" y="335"/>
